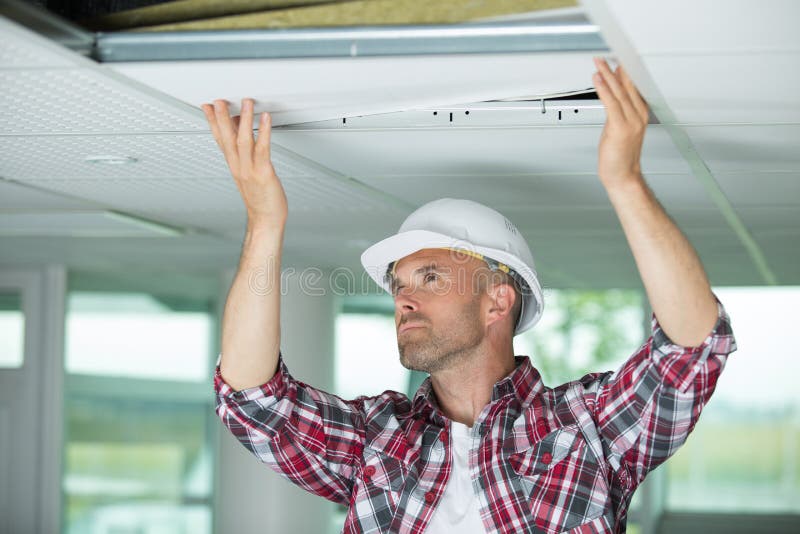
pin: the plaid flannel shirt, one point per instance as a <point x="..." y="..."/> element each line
<point x="542" y="459"/>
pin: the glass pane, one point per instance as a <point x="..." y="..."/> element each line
<point x="12" y="330"/>
<point x="135" y="335"/>
<point x="366" y="348"/>
<point x="136" y="466"/>
<point x="583" y="332"/>
<point x="137" y="455"/>
<point x="744" y="454"/>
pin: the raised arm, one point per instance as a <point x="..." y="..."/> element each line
<point x="251" y="319"/>
<point x="673" y="277"/>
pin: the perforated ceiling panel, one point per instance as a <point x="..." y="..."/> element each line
<point x="216" y="204"/>
<point x="158" y="157"/>
<point x="49" y="89"/>
<point x="347" y="189"/>
<point x="16" y="50"/>
<point x="47" y="102"/>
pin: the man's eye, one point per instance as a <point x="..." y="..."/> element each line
<point x="430" y="277"/>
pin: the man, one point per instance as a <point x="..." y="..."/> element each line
<point x="483" y="446"/>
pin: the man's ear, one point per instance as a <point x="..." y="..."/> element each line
<point x="501" y="302"/>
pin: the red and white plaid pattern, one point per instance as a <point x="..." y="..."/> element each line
<point x="543" y="459"/>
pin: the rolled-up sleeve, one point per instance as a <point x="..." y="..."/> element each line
<point x="647" y="408"/>
<point x="309" y="436"/>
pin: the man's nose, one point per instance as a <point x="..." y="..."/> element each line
<point x="405" y="300"/>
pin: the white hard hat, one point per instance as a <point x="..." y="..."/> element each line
<point x="463" y="225"/>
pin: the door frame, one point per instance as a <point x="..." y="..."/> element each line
<point x="35" y="505"/>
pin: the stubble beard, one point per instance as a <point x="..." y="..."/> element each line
<point x="433" y="351"/>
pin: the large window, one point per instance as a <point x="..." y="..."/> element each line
<point x="12" y="330"/>
<point x="744" y="455"/>
<point x="138" y="414"/>
<point x="367" y="359"/>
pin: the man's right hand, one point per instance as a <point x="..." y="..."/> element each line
<point x="249" y="161"/>
<point x="251" y="320"/>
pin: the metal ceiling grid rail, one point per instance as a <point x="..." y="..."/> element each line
<point x="360" y="41"/>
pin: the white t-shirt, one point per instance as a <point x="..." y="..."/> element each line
<point x="458" y="510"/>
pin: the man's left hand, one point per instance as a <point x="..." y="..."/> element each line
<point x="626" y="123"/>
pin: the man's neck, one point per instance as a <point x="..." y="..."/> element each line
<point x="463" y="390"/>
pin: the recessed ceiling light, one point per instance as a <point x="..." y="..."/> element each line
<point x="111" y="160"/>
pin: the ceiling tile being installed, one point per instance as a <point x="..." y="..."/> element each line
<point x="314" y="89"/>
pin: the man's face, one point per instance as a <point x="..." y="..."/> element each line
<point x="437" y="308"/>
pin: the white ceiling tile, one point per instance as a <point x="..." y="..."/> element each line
<point x="744" y="88"/>
<point x="82" y="101"/>
<point x="48" y="89"/>
<point x="23" y="48"/>
<point x="189" y="253"/>
<point x="14" y="196"/>
<point x="761" y="188"/>
<point x="176" y="194"/>
<point x="677" y="26"/>
<point x="737" y="148"/>
<point x="500" y="192"/>
<point x="771" y="218"/>
<point x="216" y="205"/>
<point x="312" y="89"/>
<point x="536" y="190"/>
<point x="566" y="221"/>
<point x="782" y="249"/>
<point x="76" y="224"/>
<point x="158" y="156"/>
<point x="487" y="152"/>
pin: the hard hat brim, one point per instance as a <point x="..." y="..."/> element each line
<point x="377" y="258"/>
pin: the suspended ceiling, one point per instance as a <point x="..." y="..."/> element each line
<point x="720" y="152"/>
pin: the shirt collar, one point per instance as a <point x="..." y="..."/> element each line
<point x="523" y="383"/>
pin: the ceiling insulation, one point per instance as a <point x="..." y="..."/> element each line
<point x="194" y="15"/>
